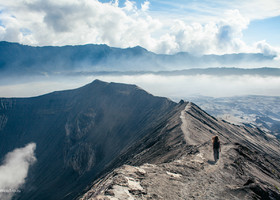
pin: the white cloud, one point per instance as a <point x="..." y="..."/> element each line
<point x="267" y="49"/>
<point x="204" y="10"/>
<point x="130" y="6"/>
<point x="182" y="87"/>
<point x="145" y="6"/>
<point x="35" y="87"/>
<point x="257" y="9"/>
<point x="14" y="170"/>
<point x="174" y="87"/>
<point x="73" y="22"/>
<point x="224" y="36"/>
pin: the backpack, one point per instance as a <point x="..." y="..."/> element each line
<point x="216" y="145"/>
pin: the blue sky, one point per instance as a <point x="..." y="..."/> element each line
<point x="161" y="26"/>
<point x="265" y="29"/>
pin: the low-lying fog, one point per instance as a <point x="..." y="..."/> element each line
<point x="174" y="87"/>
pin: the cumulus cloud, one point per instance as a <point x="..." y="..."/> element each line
<point x="216" y="37"/>
<point x="14" y="170"/>
<point x="72" y="22"/>
<point x="77" y="22"/>
<point x="145" y="6"/>
<point x="267" y="49"/>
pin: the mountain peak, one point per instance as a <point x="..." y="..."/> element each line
<point x="78" y="133"/>
<point x="114" y="85"/>
<point x="98" y="81"/>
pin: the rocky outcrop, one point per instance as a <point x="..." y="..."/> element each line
<point x="3" y="121"/>
<point x="6" y="103"/>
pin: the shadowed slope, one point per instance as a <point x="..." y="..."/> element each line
<point x="77" y="133"/>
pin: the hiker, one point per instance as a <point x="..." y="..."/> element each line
<point x="216" y="147"/>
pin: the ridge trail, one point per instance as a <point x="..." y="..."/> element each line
<point x="246" y="169"/>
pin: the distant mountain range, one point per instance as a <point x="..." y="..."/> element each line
<point x="109" y="140"/>
<point x="27" y="60"/>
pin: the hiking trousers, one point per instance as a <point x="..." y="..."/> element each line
<point x="216" y="154"/>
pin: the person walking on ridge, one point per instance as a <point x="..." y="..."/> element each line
<point x="216" y="147"/>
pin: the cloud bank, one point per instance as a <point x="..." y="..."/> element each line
<point x="14" y="170"/>
<point x="175" y="87"/>
<point x="74" y="22"/>
<point x="182" y="87"/>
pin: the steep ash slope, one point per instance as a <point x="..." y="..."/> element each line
<point x="175" y="162"/>
<point x="77" y="133"/>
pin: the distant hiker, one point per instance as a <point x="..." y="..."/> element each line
<point x="216" y="147"/>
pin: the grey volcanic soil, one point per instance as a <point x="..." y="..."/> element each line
<point x="167" y="168"/>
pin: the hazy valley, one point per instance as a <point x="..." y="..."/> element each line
<point x="256" y="111"/>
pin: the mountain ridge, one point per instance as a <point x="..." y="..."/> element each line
<point x="112" y="140"/>
<point x="242" y="172"/>
<point x="64" y="59"/>
<point x="77" y="133"/>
